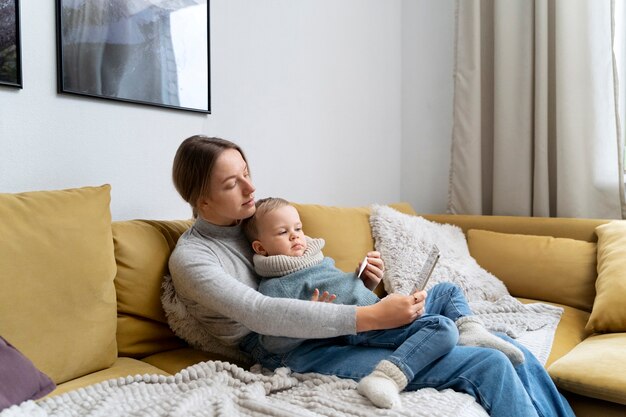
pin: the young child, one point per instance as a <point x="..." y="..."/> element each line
<point x="292" y="266"/>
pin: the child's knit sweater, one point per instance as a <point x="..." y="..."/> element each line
<point x="298" y="276"/>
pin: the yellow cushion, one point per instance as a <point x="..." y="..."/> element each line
<point x="57" y="298"/>
<point x="142" y="250"/>
<point x="559" y="270"/>
<point x="346" y="230"/>
<point x="609" y="313"/>
<point x="595" y="368"/>
<point x="138" y="337"/>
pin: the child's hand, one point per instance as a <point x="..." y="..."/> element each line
<point x="324" y="298"/>
<point x="373" y="272"/>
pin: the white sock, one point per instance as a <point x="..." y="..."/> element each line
<point x="382" y="387"/>
<point x="472" y="332"/>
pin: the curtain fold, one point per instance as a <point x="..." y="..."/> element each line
<point x="536" y="127"/>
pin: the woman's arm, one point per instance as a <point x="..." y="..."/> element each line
<point x="199" y="277"/>
<point x="392" y="311"/>
<point x="221" y="298"/>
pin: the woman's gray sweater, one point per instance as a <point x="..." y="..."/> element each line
<point x="213" y="275"/>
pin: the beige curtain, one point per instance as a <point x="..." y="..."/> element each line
<point x="536" y="127"/>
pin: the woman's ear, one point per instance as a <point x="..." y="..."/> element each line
<point x="202" y="205"/>
<point x="257" y="247"/>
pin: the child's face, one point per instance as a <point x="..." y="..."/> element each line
<point x="280" y="233"/>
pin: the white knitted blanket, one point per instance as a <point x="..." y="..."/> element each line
<point x="217" y="388"/>
<point x="223" y="389"/>
<point x="532" y="325"/>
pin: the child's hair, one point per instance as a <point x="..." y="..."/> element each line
<point x="263" y="206"/>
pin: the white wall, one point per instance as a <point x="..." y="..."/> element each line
<point x="311" y="89"/>
<point x="427" y="93"/>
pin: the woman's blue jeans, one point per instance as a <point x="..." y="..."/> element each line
<point x="486" y="374"/>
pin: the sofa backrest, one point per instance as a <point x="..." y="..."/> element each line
<point x="142" y="248"/>
<point x="579" y="229"/>
<point x="548" y="259"/>
<point x="565" y="274"/>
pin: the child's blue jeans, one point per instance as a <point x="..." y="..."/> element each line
<point x="426" y="339"/>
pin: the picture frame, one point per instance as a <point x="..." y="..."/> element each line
<point x="149" y="52"/>
<point x="10" y="44"/>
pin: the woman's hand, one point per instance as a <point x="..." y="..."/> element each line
<point x="392" y="311"/>
<point x="373" y="272"/>
<point x="324" y="298"/>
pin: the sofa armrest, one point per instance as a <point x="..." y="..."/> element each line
<point x="595" y="368"/>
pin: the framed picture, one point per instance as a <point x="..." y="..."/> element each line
<point x="10" y="54"/>
<point x="153" y="52"/>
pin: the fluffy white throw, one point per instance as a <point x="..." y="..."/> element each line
<point x="404" y="242"/>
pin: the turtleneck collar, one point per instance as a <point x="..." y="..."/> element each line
<point x="222" y="232"/>
<point x="280" y="265"/>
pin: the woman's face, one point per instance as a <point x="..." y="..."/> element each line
<point x="231" y="193"/>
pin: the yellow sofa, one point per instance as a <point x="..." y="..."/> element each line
<point x="81" y="294"/>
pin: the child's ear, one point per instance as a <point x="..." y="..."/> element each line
<point x="257" y="247"/>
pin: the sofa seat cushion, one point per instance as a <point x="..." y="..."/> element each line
<point x="121" y="368"/>
<point x="142" y="250"/>
<point x="592" y="407"/>
<point x="559" y="270"/>
<point x="595" y="368"/>
<point x="570" y="331"/>
<point x="173" y="361"/>
<point x="57" y="297"/>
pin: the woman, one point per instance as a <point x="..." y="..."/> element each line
<point x="213" y="276"/>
